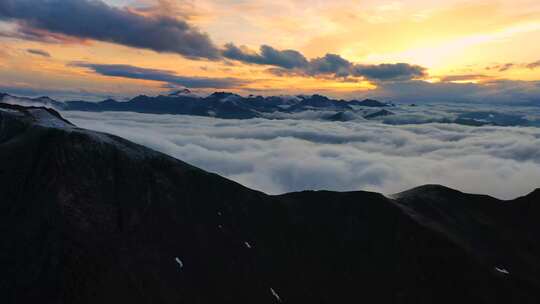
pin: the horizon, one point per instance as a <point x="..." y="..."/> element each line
<point x="173" y="92"/>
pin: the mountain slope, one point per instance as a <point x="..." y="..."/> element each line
<point x="501" y="234"/>
<point x="87" y="217"/>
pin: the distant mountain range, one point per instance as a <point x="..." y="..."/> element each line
<point x="232" y="106"/>
<point x="219" y="104"/>
<point x="88" y="217"/>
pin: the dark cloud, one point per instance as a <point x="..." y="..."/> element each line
<point x="335" y="66"/>
<point x="39" y="52"/>
<point x="25" y="32"/>
<point x="330" y="64"/>
<point x="534" y="65"/>
<point x="288" y="59"/>
<point x="291" y="62"/>
<point x="95" y="20"/>
<point x="397" y="71"/>
<point x="133" y="72"/>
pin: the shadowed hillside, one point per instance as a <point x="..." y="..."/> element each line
<point x="88" y="217"/>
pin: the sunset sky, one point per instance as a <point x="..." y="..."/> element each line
<point x="448" y="49"/>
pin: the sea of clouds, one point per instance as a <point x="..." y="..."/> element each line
<point x="278" y="156"/>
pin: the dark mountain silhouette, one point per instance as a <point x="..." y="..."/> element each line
<point x="219" y="104"/>
<point x="380" y="113"/>
<point x="369" y="103"/>
<point x="87" y="217"/>
<point x="39" y="101"/>
<point x="318" y="102"/>
<point x="339" y="116"/>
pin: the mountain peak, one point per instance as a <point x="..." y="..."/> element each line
<point x="181" y="93"/>
<point x="320" y="97"/>
<point x="535" y="195"/>
<point x="221" y="95"/>
<point x="427" y="190"/>
<point x="41" y="116"/>
<point x="368" y="103"/>
<point x="43" y="98"/>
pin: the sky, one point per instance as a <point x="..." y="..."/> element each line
<point x="417" y="50"/>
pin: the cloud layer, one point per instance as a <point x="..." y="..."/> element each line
<point x="279" y="156"/>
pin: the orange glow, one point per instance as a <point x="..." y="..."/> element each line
<point x="449" y="38"/>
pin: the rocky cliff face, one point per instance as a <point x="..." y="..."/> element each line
<point x="87" y="217"/>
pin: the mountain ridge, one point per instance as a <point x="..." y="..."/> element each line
<point x="218" y="104"/>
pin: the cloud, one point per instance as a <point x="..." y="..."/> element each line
<point x="268" y="56"/>
<point x="534" y="65"/>
<point x="24" y="32"/>
<point x="133" y="72"/>
<point x="506" y="67"/>
<point x="330" y="64"/>
<point x="39" y="52"/>
<point x="338" y="67"/>
<point x="398" y="71"/>
<point x="95" y="20"/>
<point x="466" y="77"/>
<point x="503" y="67"/>
<point x="278" y="156"/>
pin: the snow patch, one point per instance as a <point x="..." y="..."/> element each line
<point x="29" y="102"/>
<point x="46" y="119"/>
<point x="231" y="98"/>
<point x="274" y="293"/>
<point x="131" y="150"/>
<point x="502" y="270"/>
<point x="248" y="245"/>
<point x="179" y="262"/>
<point x="11" y="111"/>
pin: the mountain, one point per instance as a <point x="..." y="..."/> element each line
<point x="219" y="104"/>
<point x="368" y="103"/>
<point x="341" y="116"/>
<point x="39" y="101"/>
<point x="380" y="113"/>
<point x="183" y="92"/>
<point x="88" y="217"/>
<point x="319" y="102"/>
